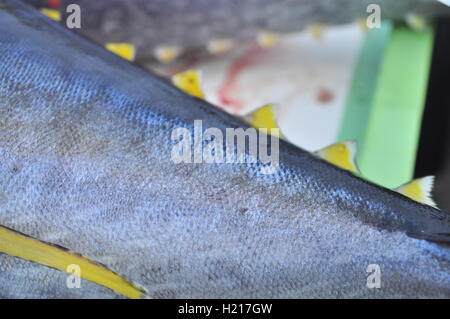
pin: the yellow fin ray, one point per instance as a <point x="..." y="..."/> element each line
<point x="19" y="245"/>
<point x="124" y="50"/>
<point x="189" y="82"/>
<point x="52" y="14"/>
<point x="264" y="117"/>
<point x="342" y="155"/>
<point x="419" y="190"/>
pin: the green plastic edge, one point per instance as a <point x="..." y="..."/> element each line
<point x="393" y="128"/>
<point x="360" y="96"/>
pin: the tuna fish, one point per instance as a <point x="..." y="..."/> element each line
<point x="165" y="29"/>
<point x="86" y="163"/>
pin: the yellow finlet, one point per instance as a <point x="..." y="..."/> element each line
<point x="124" y="50"/>
<point x="189" y="82"/>
<point x="267" y="39"/>
<point x="167" y="54"/>
<point x="219" y="46"/>
<point x="419" y="190"/>
<point x="342" y="155"/>
<point x="264" y="117"/>
<point x="415" y="21"/>
<point x="52" y="14"/>
<point x="19" y="245"/>
<point x="316" y="31"/>
<point x="362" y="23"/>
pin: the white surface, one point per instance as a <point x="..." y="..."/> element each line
<point x="292" y="74"/>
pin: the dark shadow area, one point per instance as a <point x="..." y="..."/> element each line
<point x="433" y="156"/>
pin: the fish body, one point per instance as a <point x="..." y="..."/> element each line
<point x="85" y="149"/>
<point x="166" y="29"/>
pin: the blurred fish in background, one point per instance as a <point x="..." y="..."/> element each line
<point x="166" y="29"/>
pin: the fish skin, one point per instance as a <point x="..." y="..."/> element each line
<point x="190" y="24"/>
<point x="27" y="280"/>
<point x="85" y="164"/>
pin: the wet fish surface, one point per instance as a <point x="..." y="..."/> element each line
<point x="85" y="149"/>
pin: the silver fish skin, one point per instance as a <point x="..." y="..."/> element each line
<point x="190" y="24"/>
<point x="85" y="144"/>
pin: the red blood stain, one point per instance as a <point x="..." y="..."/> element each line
<point x="324" y="95"/>
<point x="54" y="3"/>
<point x="250" y="57"/>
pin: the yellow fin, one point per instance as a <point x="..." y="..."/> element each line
<point x="189" y="82"/>
<point x="52" y="14"/>
<point x="342" y="155"/>
<point x="264" y="117"/>
<point x="316" y="31"/>
<point x="419" y="190"/>
<point x="416" y="21"/>
<point x="362" y="24"/>
<point x="219" y="46"/>
<point x="167" y="54"/>
<point x="124" y="50"/>
<point x="267" y="39"/>
<point x="19" y="245"/>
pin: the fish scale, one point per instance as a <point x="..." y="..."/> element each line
<point x="85" y="147"/>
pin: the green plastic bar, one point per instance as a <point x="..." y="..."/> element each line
<point x="393" y="129"/>
<point x="360" y="96"/>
